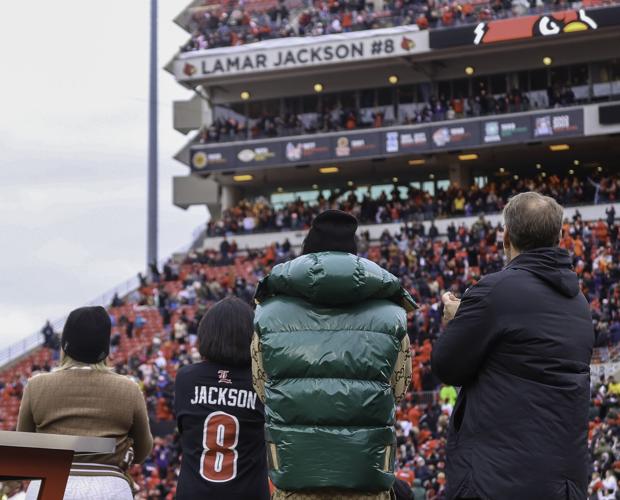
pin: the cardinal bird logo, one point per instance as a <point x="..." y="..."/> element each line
<point x="407" y="43"/>
<point x="189" y="69"/>
<point x="556" y="23"/>
<point x="564" y="22"/>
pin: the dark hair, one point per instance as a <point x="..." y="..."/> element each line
<point x="533" y="221"/>
<point x="225" y="333"/>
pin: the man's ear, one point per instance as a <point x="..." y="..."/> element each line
<point x="506" y="238"/>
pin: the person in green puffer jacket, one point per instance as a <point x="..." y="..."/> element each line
<point x="330" y="359"/>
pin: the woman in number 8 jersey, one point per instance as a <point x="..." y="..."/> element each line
<point x="219" y="416"/>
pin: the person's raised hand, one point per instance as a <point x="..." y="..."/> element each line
<point x="450" y="306"/>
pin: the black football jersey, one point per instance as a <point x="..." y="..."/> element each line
<point x="221" y="422"/>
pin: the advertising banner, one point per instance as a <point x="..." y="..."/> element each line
<point x="405" y="141"/>
<point x="557" y="124"/>
<point x="307" y="150"/>
<point x="356" y="145"/>
<point x="416" y="139"/>
<point x="299" y="52"/>
<point x="455" y="136"/>
<point x="506" y="130"/>
<point x="226" y="157"/>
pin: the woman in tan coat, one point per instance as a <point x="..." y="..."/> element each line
<point x="83" y="397"/>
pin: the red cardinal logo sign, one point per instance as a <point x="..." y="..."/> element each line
<point x="568" y="21"/>
<point x="407" y="43"/>
<point x="189" y="69"/>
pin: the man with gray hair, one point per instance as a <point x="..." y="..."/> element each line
<point x="519" y="345"/>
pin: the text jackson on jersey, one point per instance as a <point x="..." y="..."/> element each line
<point x="220" y="396"/>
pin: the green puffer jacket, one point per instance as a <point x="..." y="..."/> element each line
<point x="330" y="326"/>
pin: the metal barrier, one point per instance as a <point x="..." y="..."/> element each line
<point x="424" y="397"/>
<point x="603" y="369"/>
<point x="20" y="348"/>
<point x="606" y="354"/>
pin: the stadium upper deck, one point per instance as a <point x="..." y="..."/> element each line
<point x="222" y="24"/>
<point x="365" y="107"/>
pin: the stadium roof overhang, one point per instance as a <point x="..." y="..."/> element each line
<point x="183" y="20"/>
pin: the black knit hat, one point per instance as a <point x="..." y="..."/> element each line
<point x="332" y="230"/>
<point x="86" y="335"/>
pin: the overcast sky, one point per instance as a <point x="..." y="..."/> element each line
<point x="73" y="143"/>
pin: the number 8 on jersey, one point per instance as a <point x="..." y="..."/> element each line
<point x="219" y="458"/>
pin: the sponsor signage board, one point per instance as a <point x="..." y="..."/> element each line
<point x="226" y="157"/>
<point x="404" y="141"/>
<point x="417" y="139"/>
<point x="455" y="135"/>
<point x="506" y="130"/>
<point x="557" y="124"/>
<point x="356" y="145"/>
<point x="307" y="150"/>
<point x="300" y="52"/>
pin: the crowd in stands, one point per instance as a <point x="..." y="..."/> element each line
<point x="173" y="300"/>
<point x="430" y="265"/>
<point x="235" y="23"/>
<point x="338" y="118"/>
<point x="260" y="216"/>
<point x="604" y="436"/>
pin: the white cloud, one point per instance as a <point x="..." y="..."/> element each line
<point x="74" y="253"/>
<point x="73" y="142"/>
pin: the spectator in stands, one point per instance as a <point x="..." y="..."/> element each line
<point x="84" y="397"/>
<point x="154" y="272"/>
<point x="180" y="330"/>
<point x="447" y="393"/>
<point x="116" y="301"/>
<point x="324" y="401"/>
<point x="611" y="215"/>
<point x="417" y="205"/>
<point x="49" y="339"/>
<point x="220" y="420"/>
<point x="519" y="344"/>
<point x="337" y="117"/>
<point x="237" y="23"/>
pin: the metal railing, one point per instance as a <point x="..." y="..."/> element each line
<point x="424" y="397"/>
<point x="27" y="344"/>
<point x="606" y="354"/>
<point x="20" y="348"/>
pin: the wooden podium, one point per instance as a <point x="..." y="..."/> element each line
<point x="29" y="455"/>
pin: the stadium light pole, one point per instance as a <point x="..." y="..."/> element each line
<point x="151" y="236"/>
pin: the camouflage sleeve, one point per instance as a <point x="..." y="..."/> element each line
<point x="259" y="377"/>
<point x="401" y="377"/>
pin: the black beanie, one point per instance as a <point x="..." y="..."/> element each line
<point x="86" y="335"/>
<point x="331" y="231"/>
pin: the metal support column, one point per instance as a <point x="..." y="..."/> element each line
<point x="152" y="220"/>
